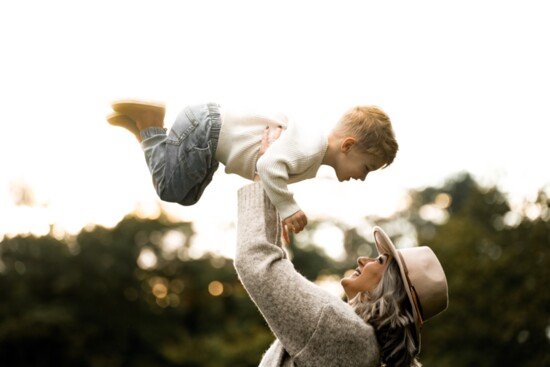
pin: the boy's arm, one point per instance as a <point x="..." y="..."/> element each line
<point x="297" y="221"/>
<point x="275" y="176"/>
<point x="295" y="156"/>
<point x="273" y="168"/>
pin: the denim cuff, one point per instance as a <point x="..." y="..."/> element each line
<point x="152" y="131"/>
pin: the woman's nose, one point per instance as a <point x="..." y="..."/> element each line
<point x="361" y="261"/>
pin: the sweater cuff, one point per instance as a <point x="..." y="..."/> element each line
<point x="254" y="206"/>
<point x="251" y="195"/>
<point x="254" y="196"/>
<point x="287" y="208"/>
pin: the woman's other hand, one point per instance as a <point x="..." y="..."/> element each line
<point x="270" y="135"/>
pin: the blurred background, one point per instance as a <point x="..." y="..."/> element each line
<point x="96" y="271"/>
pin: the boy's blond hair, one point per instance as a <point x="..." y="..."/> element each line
<point x="373" y="130"/>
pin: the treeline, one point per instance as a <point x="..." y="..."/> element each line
<point x="123" y="297"/>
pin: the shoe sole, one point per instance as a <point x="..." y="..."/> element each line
<point x="122" y="120"/>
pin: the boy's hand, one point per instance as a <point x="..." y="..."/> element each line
<point x="296" y="222"/>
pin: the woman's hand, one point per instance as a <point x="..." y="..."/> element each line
<point x="270" y="135"/>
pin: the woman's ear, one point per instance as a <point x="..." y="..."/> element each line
<point x="347" y="143"/>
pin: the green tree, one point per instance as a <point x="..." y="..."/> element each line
<point x="84" y="301"/>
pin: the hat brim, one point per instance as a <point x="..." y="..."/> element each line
<point x="384" y="245"/>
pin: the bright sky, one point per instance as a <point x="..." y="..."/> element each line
<point x="466" y="84"/>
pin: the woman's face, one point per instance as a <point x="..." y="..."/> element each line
<point x="366" y="276"/>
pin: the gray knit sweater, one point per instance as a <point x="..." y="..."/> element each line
<point x="312" y="326"/>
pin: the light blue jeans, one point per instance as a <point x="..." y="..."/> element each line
<point x="183" y="162"/>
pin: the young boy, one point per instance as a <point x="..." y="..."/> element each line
<point x="183" y="161"/>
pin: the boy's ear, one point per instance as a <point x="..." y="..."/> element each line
<point x="347" y="143"/>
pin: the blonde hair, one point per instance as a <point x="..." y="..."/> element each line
<point x="388" y="310"/>
<point x="373" y="130"/>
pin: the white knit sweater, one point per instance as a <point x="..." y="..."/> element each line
<point x="295" y="156"/>
<point x="312" y="326"/>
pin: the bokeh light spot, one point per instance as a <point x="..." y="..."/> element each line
<point x="215" y="288"/>
<point x="160" y="290"/>
<point x="147" y="259"/>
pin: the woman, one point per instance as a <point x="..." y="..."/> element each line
<point x="389" y="297"/>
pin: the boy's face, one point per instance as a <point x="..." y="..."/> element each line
<point x="354" y="163"/>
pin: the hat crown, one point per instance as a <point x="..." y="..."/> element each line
<point x="427" y="278"/>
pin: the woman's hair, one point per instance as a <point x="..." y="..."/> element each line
<point x="373" y="130"/>
<point x="387" y="308"/>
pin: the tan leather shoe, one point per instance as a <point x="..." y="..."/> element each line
<point x="144" y="113"/>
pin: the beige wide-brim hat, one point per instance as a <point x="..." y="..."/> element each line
<point x="422" y="275"/>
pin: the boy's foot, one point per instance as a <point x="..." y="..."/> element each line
<point x="144" y="113"/>
<point x="122" y="120"/>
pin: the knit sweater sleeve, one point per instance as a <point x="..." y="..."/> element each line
<point x="294" y="157"/>
<point x="268" y="276"/>
<point x="312" y="324"/>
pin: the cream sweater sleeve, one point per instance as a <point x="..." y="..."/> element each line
<point x="294" y="157"/>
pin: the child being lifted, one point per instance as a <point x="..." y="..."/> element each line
<point x="183" y="161"/>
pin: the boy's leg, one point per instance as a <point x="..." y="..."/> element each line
<point x="182" y="164"/>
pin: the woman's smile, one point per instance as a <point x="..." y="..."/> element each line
<point x="366" y="276"/>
